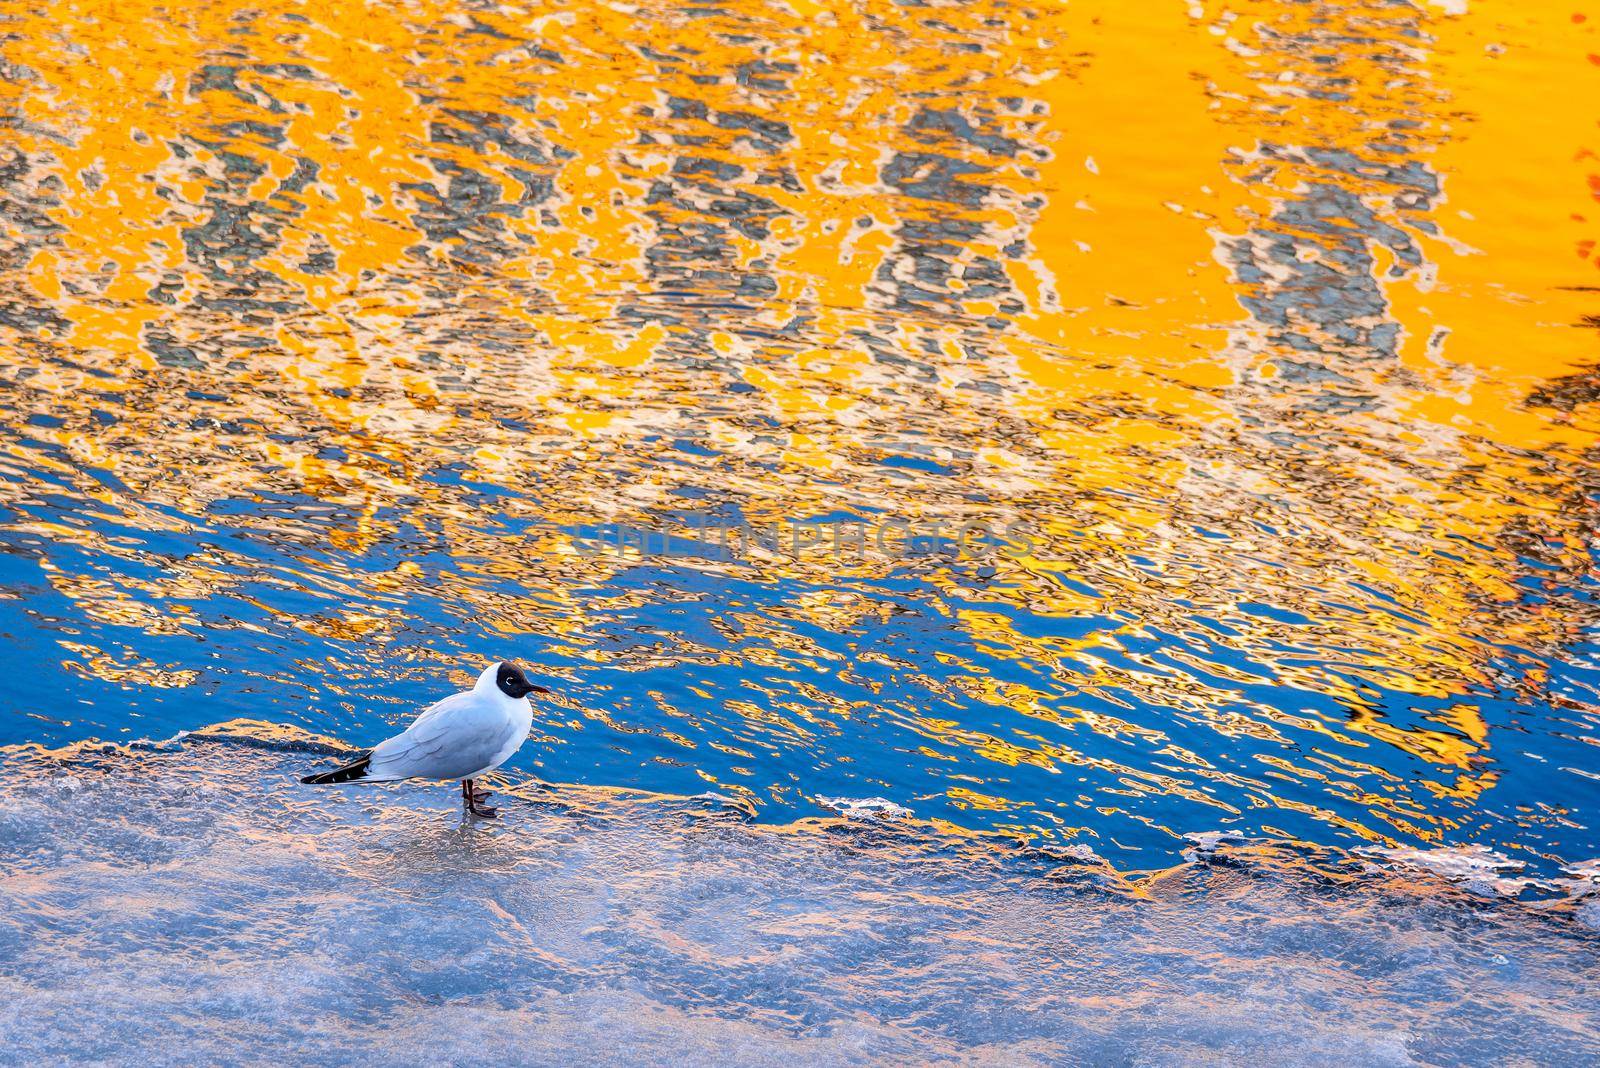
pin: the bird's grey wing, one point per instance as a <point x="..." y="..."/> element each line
<point x="438" y="708"/>
<point x="455" y="738"/>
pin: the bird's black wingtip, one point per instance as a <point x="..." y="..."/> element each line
<point x="349" y="773"/>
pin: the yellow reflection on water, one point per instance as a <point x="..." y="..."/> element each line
<point x="1239" y="304"/>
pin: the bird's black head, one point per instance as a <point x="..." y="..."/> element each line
<point x="513" y="683"/>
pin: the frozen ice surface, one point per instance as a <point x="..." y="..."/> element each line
<point x="195" y="904"/>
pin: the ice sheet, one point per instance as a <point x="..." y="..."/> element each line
<point x="194" y="904"/>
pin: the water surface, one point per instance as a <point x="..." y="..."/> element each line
<point x="335" y="344"/>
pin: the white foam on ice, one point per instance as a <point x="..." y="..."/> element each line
<point x="1474" y="867"/>
<point x="1211" y="841"/>
<point x="865" y="807"/>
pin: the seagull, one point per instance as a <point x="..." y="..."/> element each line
<point x="462" y="737"/>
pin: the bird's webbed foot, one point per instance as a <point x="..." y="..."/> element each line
<point x="475" y="799"/>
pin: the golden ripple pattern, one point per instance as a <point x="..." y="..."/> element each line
<point x="333" y="344"/>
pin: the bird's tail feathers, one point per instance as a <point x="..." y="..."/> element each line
<point x="355" y="771"/>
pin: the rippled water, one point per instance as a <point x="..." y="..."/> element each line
<point x="343" y="350"/>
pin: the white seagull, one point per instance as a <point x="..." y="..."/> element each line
<point x="462" y="737"/>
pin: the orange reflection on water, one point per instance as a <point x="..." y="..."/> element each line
<point x="1247" y="308"/>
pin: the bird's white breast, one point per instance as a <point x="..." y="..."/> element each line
<point x="519" y="721"/>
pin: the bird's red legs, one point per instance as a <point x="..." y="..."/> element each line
<point x="475" y="799"/>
